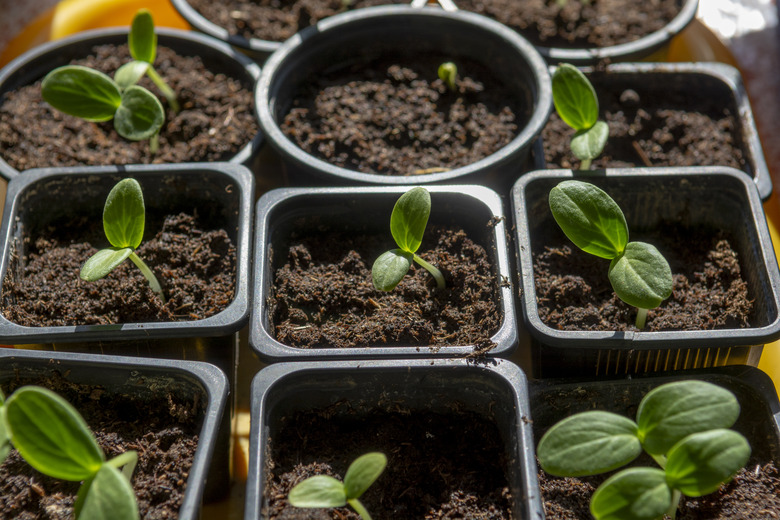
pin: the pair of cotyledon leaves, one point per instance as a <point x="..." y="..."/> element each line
<point x="681" y="424"/>
<point x="591" y="219"/>
<point x="55" y="440"/>
<point x="92" y="95"/>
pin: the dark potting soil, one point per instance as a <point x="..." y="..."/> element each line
<point x="275" y="20"/>
<point x="216" y="119"/>
<point x="396" y="117"/>
<point x="324" y="297"/>
<point x="654" y="126"/>
<point x="576" y="24"/>
<point x="163" y="430"/>
<point x="196" y="268"/>
<point x="439" y="466"/>
<point x="574" y="293"/>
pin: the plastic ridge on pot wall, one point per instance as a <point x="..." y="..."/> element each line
<point x="222" y="192"/>
<point x="496" y="390"/>
<point x="478" y="210"/>
<point x="383" y="30"/>
<point x="119" y="374"/>
<point x="652" y="47"/>
<point x="716" y="81"/>
<point x="717" y="198"/>
<point x="217" y="56"/>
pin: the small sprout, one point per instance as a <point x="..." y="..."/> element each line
<point x="576" y="102"/>
<point x="448" y="73"/>
<point x="123" y="222"/>
<point x="682" y="426"/>
<point x="407" y="225"/>
<point x="590" y="218"/>
<point x="55" y="440"/>
<point x="325" y="491"/>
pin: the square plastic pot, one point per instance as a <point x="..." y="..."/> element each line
<point x="759" y="419"/>
<point x="497" y="391"/>
<point x="144" y="377"/>
<point x="715" y="198"/>
<point x="719" y="83"/>
<point x="476" y="209"/>
<point x="217" y="56"/>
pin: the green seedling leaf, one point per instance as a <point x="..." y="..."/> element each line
<point x="130" y="73"/>
<point x="5" y="436"/>
<point x="103" y="262"/>
<point x="390" y="268"/>
<point x="82" y="92"/>
<point x="448" y="73"/>
<point x="588" y="144"/>
<point x="588" y="443"/>
<point x="673" y="411"/>
<point x="124" y="214"/>
<point x="633" y="494"/>
<point x="51" y="435"/>
<point x="362" y="473"/>
<point x="701" y="462"/>
<point x="590" y="218"/>
<point x="318" y="491"/>
<point x="409" y="218"/>
<point x="142" y="39"/>
<point x="140" y="115"/>
<point x="641" y="276"/>
<point x="574" y="97"/>
<point x="107" y="495"/>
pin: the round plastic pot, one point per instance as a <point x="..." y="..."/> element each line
<point x="718" y="82"/>
<point x="386" y="30"/>
<point x="282" y="212"/>
<point x="651" y="47"/>
<point x="497" y="391"/>
<point x="144" y="377"/>
<point x="217" y="57"/>
<point x="716" y="198"/>
<point x="759" y="419"/>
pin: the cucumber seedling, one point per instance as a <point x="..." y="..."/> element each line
<point x="52" y="437"/>
<point x="123" y="222"/>
<point x="407" y="225"/>
<point x="576" y="103"/>
<point x="326" y="491"/>
<point x="683" y="426"/>
<point x="94" y="96"/>
<point x="590" y="218"/>
<point x="448" y="73"/>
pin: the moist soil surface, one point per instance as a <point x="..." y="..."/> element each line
<point x="163" y="430"/>
<point x="574" y="293"/>
<point x="275" y="20"/>
<point x="216" y="119"/>
<point x="196" y="268"/>
<point x="654" y="126"/>
<point x="578" y="24"/>
<point x="439" y="466"/>
<point x="396" y="117"/>
<point x="324" y="297"/>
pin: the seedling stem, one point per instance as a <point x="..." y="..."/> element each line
<point x="155" y="285"/>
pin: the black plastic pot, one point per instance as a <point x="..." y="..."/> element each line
<point x="145" y="377"/>
<point x="759" y="419"/>
<point x="281" y="212"/>
<point x="495" y="390"/>
<point x="714" y="198"/>
<point x="375" y="31"/>
<point x="718" y="83"/>
<point x="217" y="56"/>
<point x="222" y="193"/>
<point x="651" y="47"/>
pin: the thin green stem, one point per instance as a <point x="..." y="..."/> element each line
<point x="641" y="317"/>
<point x="167" y="91"/>
<point x="127" y="459"/>
<point x="154" y="143"/>
<point x="672" y="511"/>
<point x="433" y="270"/>
<point x="359" y="508"/>
<point x="585" y="164"/>
<point x="149" y="275"/>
